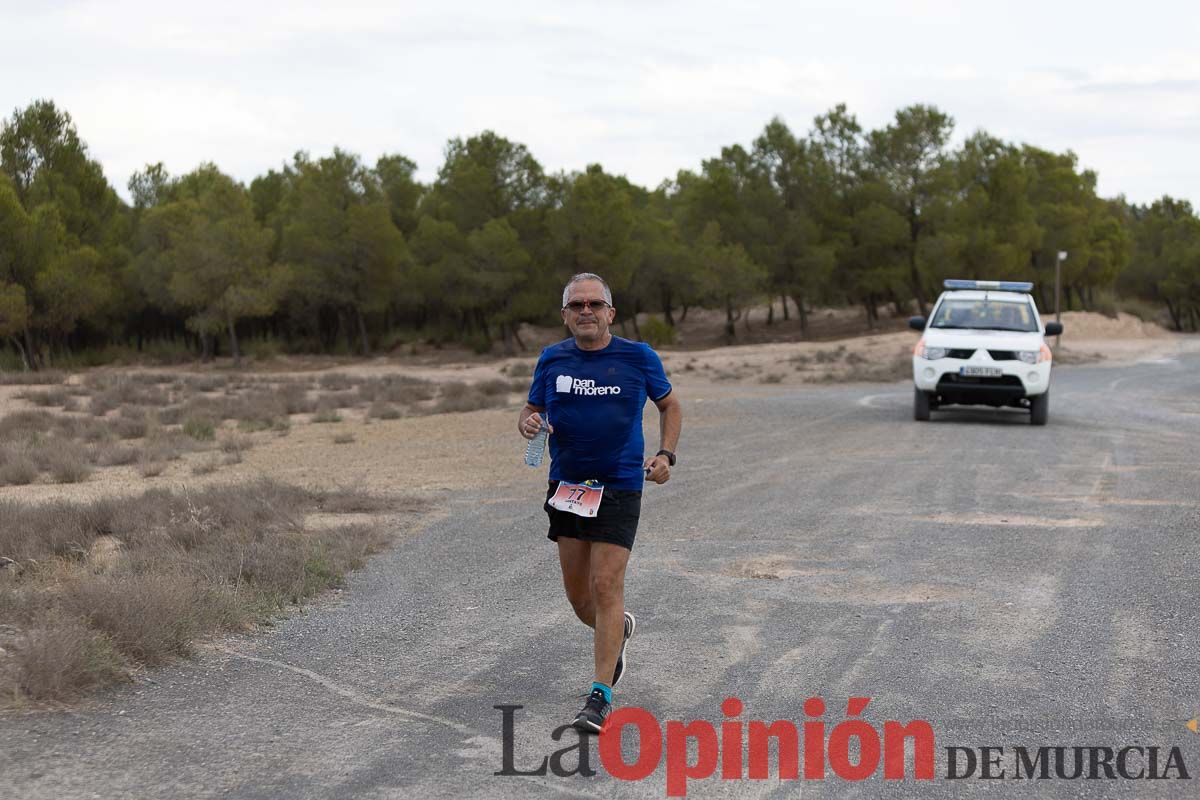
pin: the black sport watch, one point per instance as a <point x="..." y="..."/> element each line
<point x="670" y="456"/>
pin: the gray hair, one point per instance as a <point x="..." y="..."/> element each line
<point x="586" y="276"/>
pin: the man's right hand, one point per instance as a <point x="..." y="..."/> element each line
<point x="531" y="424"/>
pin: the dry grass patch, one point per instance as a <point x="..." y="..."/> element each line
<point x="457" y="396"/>
<point x="519" y="369"/>
<point x="326" y="412"/>
<point x="396" y="389"/>
<point x="201" y="429"/>
<point x="895" y="368"/>
<point x="53" y="398"/>
<point x="56" y="658"/>
<point x="69" y="463"/>
<point x="381" y="409"/>
<point x="16" y="468"/>
<point x="103" y="587"/>
<point x="50" y="377"/>
<point x="207" y="465"/>
<point x="112" y="454"/>
<point x="337" y="381"/>
<point x="149" y="467"/>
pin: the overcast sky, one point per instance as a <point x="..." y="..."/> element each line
<point x="644" y="88"/>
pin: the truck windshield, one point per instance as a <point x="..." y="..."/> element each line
<point x="992" y="315"/>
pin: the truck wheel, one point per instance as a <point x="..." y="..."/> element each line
<point x="1039" y="408"/>
<point x="920" y="405"/>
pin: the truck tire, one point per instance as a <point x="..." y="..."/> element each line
<point x="1039" y="408"/>
<point x="920" y="405"/>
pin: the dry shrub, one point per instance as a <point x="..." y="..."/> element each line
<point x="89" y="430"/>
<point x="127" y="390"/>
<point x="207" y="466"/>
<point x="295" y="399"/>
<point x="827" y="356"/>
<point x="886" y="370"/>
<point x="337" y="381"/>
<point x="771" y="377"/>
<point x="57" y="658"/>
<point x="232" y="458"/>
<point x="203" y="383"/>
<point x="167" y="447"/>
<point x="67" y="462"/>
<point x="129" y="427"/>
<point x="201" y="429"/>
<point x="399" y="389"/>
<point x="257" y="406"/>
<point x="191" y="563"/>
<point x="458" y="396"/>
<point x="53" y="398"/>
<point x="151" y="468"/>
<point x="519" y="369"/>
<point x="148" y="617"/>
<point x="17" y="469"/>
<point x="326" y="412"/>
<point x="344" y="438"/>
<point x="381" y="409"/>
<point x="26" y="425"/>
<point x="113" y="454"/>
<point x="48" y="377"/>
<point x="494" y="387"/>
<point x="463" y="402"/>
<point x="235" y="444"/>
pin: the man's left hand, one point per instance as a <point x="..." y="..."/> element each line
<point x="660" y="469"/>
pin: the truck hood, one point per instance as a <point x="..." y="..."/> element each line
<point x="982" y="339"/>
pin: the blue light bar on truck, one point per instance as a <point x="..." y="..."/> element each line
<point x="1002" y="286"/>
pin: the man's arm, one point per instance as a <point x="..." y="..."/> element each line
<point x="670" y="423"/>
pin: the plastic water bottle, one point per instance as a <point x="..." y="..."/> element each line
<point x="537" y="445"/>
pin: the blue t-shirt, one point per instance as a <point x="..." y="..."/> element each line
<point x="594" y="399"/>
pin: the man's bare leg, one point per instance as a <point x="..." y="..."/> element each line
<point x="575" y="558"/>
<point x="594" y="579"/>
<point x="608" y="562"/>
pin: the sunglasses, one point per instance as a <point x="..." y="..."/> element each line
<point x="595" y="305"/>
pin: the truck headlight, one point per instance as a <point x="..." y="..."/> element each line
<point x="931" y="353"/>
<point x="1029" y="356"/>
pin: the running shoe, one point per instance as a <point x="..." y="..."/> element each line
<point x="595" y="711"/>
<point x="630" y="627"/>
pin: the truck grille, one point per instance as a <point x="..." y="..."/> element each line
<point x="950" y="379"/>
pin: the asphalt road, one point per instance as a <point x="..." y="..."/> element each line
<point x="1010" y="585"/>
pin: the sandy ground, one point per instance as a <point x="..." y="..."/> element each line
<point x="432" y="455"/>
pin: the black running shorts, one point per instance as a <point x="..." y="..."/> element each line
<point x="615" y="522"/>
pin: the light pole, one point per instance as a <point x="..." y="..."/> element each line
<point x="1062" y="256"/>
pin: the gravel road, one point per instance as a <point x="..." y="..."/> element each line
<point x="1011" y="585"/>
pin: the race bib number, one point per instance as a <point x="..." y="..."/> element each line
<point x="582" y="499"/>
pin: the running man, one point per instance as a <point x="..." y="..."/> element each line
<point x="592" y="388"/>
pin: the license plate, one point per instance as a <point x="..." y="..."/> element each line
<point x="980" y="372"/>
<point x="582" y="499"/>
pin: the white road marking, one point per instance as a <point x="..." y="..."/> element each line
<point x="868" y="401"/>
<point x="352" y="695"/>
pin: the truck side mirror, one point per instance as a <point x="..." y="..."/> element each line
<point x="1053" y="328"/>
<point x="916" y="323"/>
